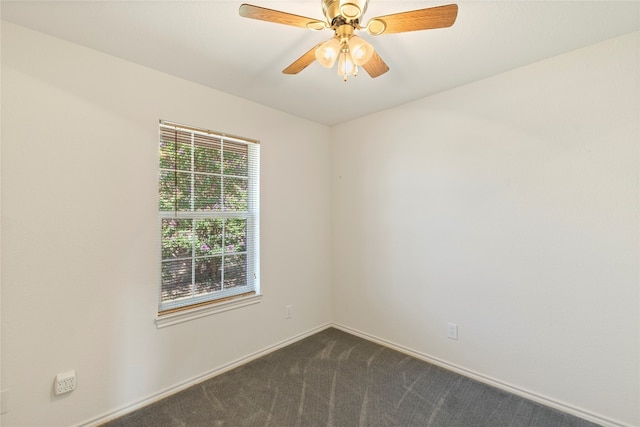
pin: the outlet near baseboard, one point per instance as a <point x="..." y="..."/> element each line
<point x="452" y="331"/>
<point x="65" y="382"/>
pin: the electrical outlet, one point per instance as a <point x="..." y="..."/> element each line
<point x="288" y="312"/>
<point x="452" y="331"/>
<point x="65" y="382"/>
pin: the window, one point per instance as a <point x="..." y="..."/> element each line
<point x="209" y="217"/>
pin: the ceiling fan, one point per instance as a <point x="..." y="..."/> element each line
<point x="343" y="18"/>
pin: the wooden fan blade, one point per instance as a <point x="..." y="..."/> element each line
<point x="270" y="15"/>
<point x="303" y="62"/>
<point x="421" y="19"/>
<point x="375" y="66"/>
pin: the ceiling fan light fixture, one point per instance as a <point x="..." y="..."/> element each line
<point x="343" y="18"/>
<point x="328" y="52"/>
<point x="361" y="51"/>
<point x="346" y="66"/>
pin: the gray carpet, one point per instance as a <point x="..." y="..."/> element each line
<point x="336" y="379"/>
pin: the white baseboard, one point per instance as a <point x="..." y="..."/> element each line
<point x="198" y="379"/>
<point x="561" y="406"/>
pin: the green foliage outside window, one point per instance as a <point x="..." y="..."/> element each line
<point x="202" y="174"/>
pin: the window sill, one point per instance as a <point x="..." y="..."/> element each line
<point x="207" y="310"/>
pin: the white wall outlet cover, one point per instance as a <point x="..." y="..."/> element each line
<point x="452" y="331"/>
<point x="65" y="382"/>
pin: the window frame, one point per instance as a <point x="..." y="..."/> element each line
<point x="198" y="305"/>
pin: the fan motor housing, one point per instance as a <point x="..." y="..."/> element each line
<point x="350" y="10"/>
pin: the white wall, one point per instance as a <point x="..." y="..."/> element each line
<point x="509" y="206"/>
<point x="80" y="230"/>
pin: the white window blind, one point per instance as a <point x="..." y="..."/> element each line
<point x="209" y="215"/>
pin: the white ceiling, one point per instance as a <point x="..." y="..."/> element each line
<point x="209" y="43"/>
